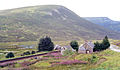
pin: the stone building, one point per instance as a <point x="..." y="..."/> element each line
<point x="87" y="47"/>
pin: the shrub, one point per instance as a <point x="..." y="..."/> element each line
<point x="33" y="52"/>
<point x="10" y="55"/>
<point x="22" y="54"/>
<point x="97" y="46"/>
<point x="68" y="52"/>
<point x="26" y="53"/>
<point x="45" y="44"/>
<point x="74" y="45"/>
<point x="102" y="46"/>
<point x="93" y="59"/>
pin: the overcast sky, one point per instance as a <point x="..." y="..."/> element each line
<point x="84" y="8"/>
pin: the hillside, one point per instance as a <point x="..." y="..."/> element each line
<point x="58" y="22"/>
<point x="106" y="22"/>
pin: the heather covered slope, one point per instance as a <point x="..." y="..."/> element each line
<point x="58" y="22"/>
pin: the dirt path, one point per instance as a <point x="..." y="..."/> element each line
<point x="115" y="48"/>
<point x="100" y="61"/>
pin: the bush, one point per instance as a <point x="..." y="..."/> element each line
<point x="102" y="46"/>
<point x="74" y="45"/>
<point x="93" y="59"/>
<point x="68" y="52"/>
<point x="97" y="47"/>
<point x="26" y="53"/>
<point x="33" y="52"/>
<point x="10" y="55"/>
<point x="45" y="44"/>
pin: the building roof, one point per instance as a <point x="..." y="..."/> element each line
<point x="69" y="48"/>
<point x="82" y="48"/>
<point x="91" y="44"/>
<point x="56" y="47"/>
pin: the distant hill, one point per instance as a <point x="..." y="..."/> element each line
<point x="106" y="22"/>
<point x="58" y="22"/>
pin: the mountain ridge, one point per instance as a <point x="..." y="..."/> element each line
<point x="105" y="22"/>
<point x="58" y="22"/>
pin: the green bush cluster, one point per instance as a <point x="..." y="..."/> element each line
<point x="26" y="53"/>
<point x="93" y="59"/>
<point x="33" y="52"/>
<point x="102" y="46"/>
<point x="45" y="44"/>
<point x="9" y="55"/>
<point x="74" y="45"/>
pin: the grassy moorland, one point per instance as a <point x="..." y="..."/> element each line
<point x="105" y="60"/>
<point x="11" y="46"/>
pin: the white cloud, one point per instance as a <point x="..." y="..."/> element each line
<point x="84" y="8"/>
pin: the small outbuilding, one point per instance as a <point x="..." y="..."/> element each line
<point x="66" y="48"/>
<point x="57" y="47"/>
<point x="63" y="48"/>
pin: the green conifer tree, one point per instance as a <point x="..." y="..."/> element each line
<point x="45" y="44"/>
<point x="106" y="43"/>
<point x="74" y="45"/>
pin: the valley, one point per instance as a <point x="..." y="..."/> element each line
<point x="53" y="37"/>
